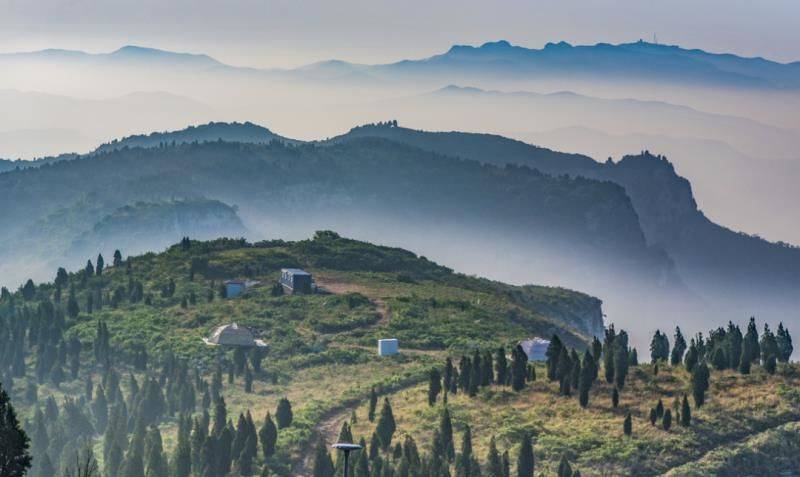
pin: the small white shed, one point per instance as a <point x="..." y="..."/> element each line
<point x="388" y="347"/>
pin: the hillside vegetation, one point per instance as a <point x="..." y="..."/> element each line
<point x="133" y="327"/>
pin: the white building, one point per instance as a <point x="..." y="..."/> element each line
<point x="388" y="347"/>
<point x="233" y="335"/>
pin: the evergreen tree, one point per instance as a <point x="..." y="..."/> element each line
<point x="474" y="374"/>
<point x="154" y="454"/>
<point x="666" y="421"/>
<point x="659" y="347"/>
<point x="362" y="464"/>
<point x="268" y="434"/>
<point x="525" y="462"/>
<point x="182" y="463"/>
<point x="117" y="258"/>
<point x="620" y="359"/>
<point x="751" y="348"/>
<point x="588" y="371"/>
<point x="487" y="369"/>
<point x="678" y="349"/>
<point x="784" y="343"/>
<point x="386" y="425"/>
<point x="553" y="353"/>
<point x="615" y="398"/>
<point x="223" y="450"/>
<point x="220" y="416"/>
<point x="686" y="413"/>
<point x="446" y="435"/>
<point x="660" y="409"/>
<point x="608" y="354"/>
<point x="633" y="357"/>
<point x="283" y="414"/>
<point x="100" y="265"/>
<point x="564" y="372"/>
<point x="466" y="466"/>
<point x="373" y="403"/>
<point x="627" y="425"/>
<point x="494" y="463"/>
<point x="506" y="465"/>
<point x="15" y="460"/>
<point x="564" y="469"/>
<point x="501" y="366"/>
<point x="323" y="464"/>
<point x="692" y="357"/>
<point x="769" y="350"/>
<point x="653" y="416"/>
<point x="597" y="350"/>
<point x="434" y="386"/>
<point x="519" y="365"/>
<point x="733" y="345"/>
<point x="700" y="377"/>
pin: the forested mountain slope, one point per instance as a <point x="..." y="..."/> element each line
<point x="357" y="182"/>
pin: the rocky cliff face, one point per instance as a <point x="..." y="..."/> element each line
<point x="582" y="312"/>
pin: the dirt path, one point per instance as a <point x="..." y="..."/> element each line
<point x="330" y="424"/>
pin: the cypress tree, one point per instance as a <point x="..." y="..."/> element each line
<point x="769" y="350"/>
<point x="564" y="469"/>
<point x="700" y="383"/>
<point x="268" y="434"/>
<point x="587" y="374"/>
<point x="564" y="372"/>
<point x="15" y="460"/>
<point x="686" y="413"/>
<point x="182" y="463"/>
<point x="627" y="425"/>
<point x="620" y="360"/>
<point x="373" y="403"/>
<point x="487" y="369"/>
<point x="614" y="398"/>
<point x="220" y="416"/>
<point x="506" y="465"/>
<point x="597" y="350"/>
<point x="223" y="450"/>
<point x="283" y="415"/>
<point x="240" y="438"/>
<point x="519" y="365"/>
<point x="575" y="374"/>
<point x="679" y="348"/>
<point x="465" y="462"/>
<point x="154" y="454"/>
<point x="501" y="366"/>
<point x="362" y="464"/>
<point x="386" y="425"/>
<point x="447" y="377"/>
<point x="692" y="357"/>
<point x="653" y="416"/>
<point x="660" y="409"/>
<point x="733" y="345"/>
<point x="525" y="462"/>
<point x="475" y="374"/>
<point x="608" y="352"/>
<point x="666" y="421"/>
<point x="434" y="386"/>
<point x="323" y="464"/>
<point x="553" y="353"/>
<point x="784" y="343"/>
<point x="753" y="351"/>
<point x="100" y="265"/>
<point x="446" y="435"/>
<point x="494" y="463"/>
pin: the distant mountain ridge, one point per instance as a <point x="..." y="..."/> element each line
<point x="639" y="60"/>
<point x="231" y="132"/>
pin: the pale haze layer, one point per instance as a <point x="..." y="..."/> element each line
<point x="286" y="33"/>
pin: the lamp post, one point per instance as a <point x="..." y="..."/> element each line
<point x="347" y="448"/>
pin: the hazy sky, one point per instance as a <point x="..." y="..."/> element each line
<point x="294" y="32"/>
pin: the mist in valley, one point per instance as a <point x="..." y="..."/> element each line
<point x="737" y="146"/>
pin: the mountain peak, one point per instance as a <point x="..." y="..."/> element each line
<point x="496" y="45"/>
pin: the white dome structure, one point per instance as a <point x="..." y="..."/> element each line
<point x="233" y="335"/>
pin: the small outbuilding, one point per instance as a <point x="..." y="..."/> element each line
<point x="535" y="348"/>
<point x="388" y="347"/>
<point x="233" y="335"/>
<point x="296" y="281"/>
<point x="234" y="288"/>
